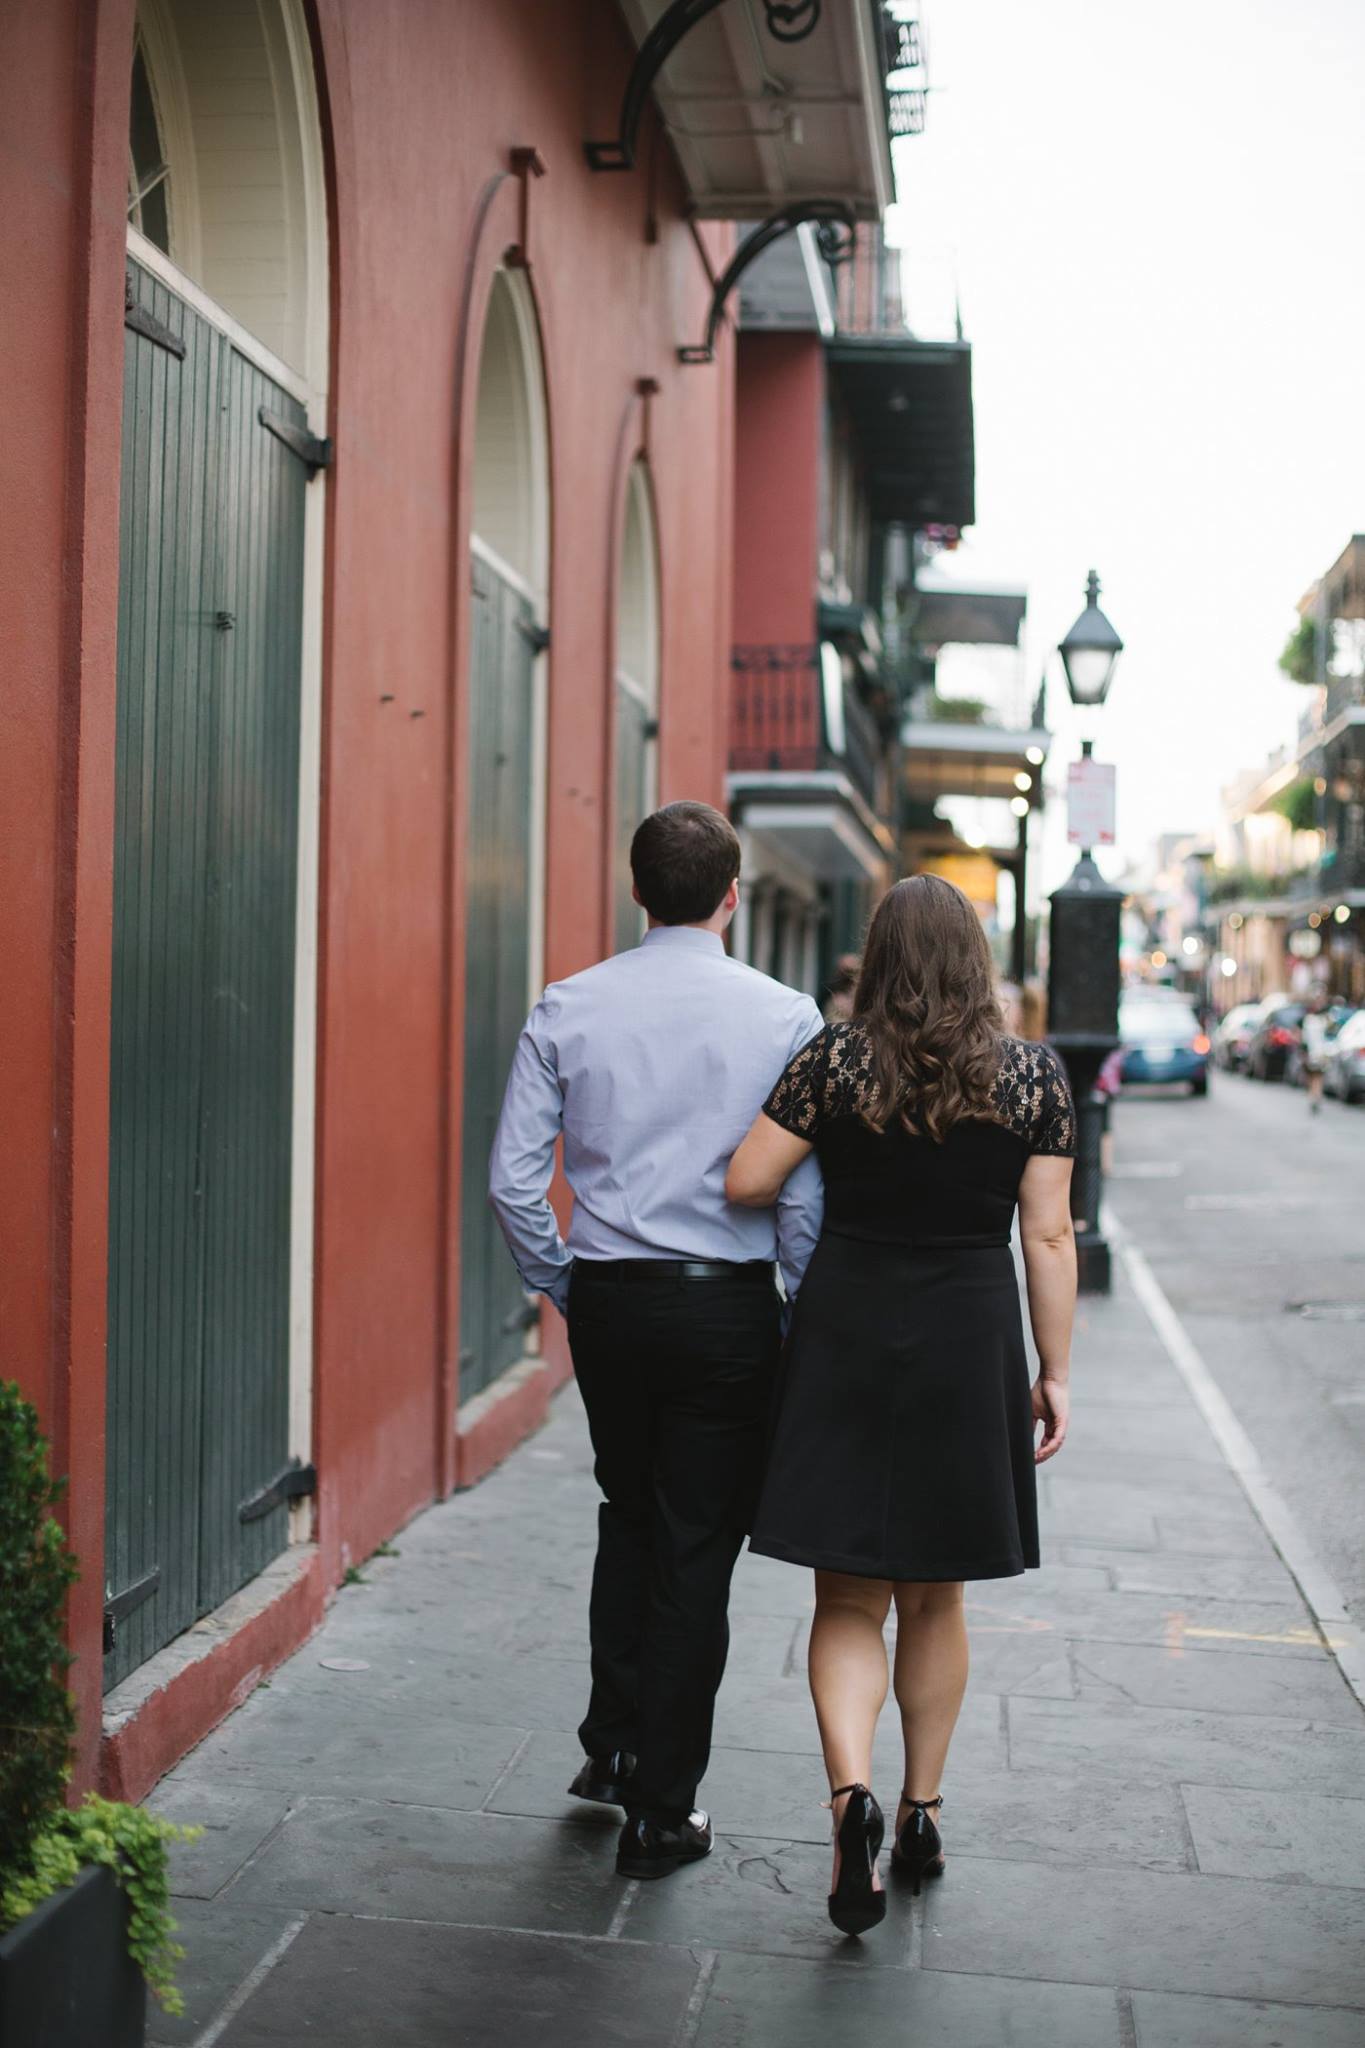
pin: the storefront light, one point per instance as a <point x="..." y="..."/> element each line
<point x="1022" y="781"/>
<point x="1315" y="918"/>
<point x="1342" y="912"/>
<point x="1189" y="945"/>
<point x="1227" y="966"/>
<point x="1035" y="755"/>
<point x="1020" y="806"/>
<point x="1158" y="958"/>
<point x="1236" y="921"/>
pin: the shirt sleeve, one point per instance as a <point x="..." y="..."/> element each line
<point x="522" y="1162"/>
<point x="797" y="1102"/>
<point x="1055" y="1133"/>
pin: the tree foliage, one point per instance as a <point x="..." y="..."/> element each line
<point x="1299" y="656"/>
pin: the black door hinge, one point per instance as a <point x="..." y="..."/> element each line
<point x="146" y="324"/>
<point x="539" y="636"/>
<point x="293" y="1483"/>
<point x="122" y="1604"/>
<point x="524" y="1318"/>
<point x="313" y="452"/>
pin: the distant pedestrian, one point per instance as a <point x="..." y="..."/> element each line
<point x="651" y="1066"/>
<point x="902" y="1455"/>
<point x="839" y="1000"/>
<point x="1314" y="1032"/>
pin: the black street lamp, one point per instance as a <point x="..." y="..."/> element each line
<point x="1090" y="651"/>
<point x="1083" y="961"/>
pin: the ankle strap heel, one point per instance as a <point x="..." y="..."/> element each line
<point x="918" y="1849"/>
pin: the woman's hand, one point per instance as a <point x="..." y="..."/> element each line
<point x="1051" y="1407"/>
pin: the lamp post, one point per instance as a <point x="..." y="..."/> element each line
<point x="1083" y="962"/>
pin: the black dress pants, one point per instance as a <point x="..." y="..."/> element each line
<point x="676" y="1376"/>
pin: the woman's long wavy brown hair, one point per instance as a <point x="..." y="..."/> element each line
<point x="926" y="998"/>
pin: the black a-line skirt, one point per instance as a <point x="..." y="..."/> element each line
<point x="901" y="1443"/>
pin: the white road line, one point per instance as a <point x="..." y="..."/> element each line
<point x="218" y="2027"/>
<point x="622" y="1913"/>
<point x="1316" y="1583"/>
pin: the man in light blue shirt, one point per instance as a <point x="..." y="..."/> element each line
<point x="652" y="1066"/>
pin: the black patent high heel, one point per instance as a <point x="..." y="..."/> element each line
<point x="854" y="1905"/>
<point x="918" y="1848"/>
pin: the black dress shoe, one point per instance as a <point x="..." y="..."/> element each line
<point x="652" y="1848"/>
<point x="605" y="1779"/>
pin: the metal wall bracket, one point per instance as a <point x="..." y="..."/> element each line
<point x="526" y="164"/>
<point x="313" y="452"/>
<point x="293" y="1483"/>
<point x="536" y="634"/>
<point x="833" y="219"/>
<point x="658" y="46"/>
<point x="125" y="1603"/>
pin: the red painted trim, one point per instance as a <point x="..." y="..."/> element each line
<point x="508" y="1422"/>
<point x="191" y="1705"/>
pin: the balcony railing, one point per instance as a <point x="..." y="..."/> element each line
<point x="777" y="722"/>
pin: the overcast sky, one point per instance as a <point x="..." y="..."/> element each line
<point x="1152" y="215"/>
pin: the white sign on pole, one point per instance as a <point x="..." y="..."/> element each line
<point x="1090" y="803"/>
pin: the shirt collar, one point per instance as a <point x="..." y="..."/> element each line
<point x="687" y="935"/>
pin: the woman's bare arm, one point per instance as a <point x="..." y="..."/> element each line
<point x="764" y="1160"/>
<point x="1049" y="1243"/>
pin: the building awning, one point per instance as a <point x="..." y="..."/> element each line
<point x="818" y="820"/>
<point x="973" y="618"/>
<point x="910" y="404"/>
<point x="757" y="122"/>
<point x="939" y="759"/>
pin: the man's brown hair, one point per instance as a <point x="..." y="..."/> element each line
<point x="684" y="858"/>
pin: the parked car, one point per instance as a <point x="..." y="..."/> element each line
<point x="1335" y="1016"/>
<point x="1232" y="1037"/>
<point x="1162" y="1041"/>
<point x="1344" y="1074"/>
<point x="1275" y="1036"/>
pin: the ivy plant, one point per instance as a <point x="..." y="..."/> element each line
<point x="44" y="1845"/>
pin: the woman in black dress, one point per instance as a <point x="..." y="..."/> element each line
<point x="901" y="1461"/>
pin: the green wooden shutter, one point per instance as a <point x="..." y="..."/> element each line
<point x="493" y="1309"/>
<point x="210" y="614"/>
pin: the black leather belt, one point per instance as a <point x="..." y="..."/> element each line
<point x="677" y="1269"/>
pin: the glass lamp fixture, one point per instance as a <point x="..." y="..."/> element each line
<point x="1090" y="650"/>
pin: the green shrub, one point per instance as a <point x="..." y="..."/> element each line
<point x="37" y="1719"/>
<point x="44" y="1845"/>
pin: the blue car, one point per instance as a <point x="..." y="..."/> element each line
<point x="1162" y="1041"/>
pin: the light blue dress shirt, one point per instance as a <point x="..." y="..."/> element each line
<point x="653" y="1065"/>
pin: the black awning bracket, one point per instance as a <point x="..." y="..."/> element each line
<point x="293" y="1483"/>
<point x="658" y="46"/>
<point x="833" y="222"/>
<point x="313" y="452"/>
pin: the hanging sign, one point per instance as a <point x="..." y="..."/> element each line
<point x="1090" y="803"/>
<point x="904" y="60"/>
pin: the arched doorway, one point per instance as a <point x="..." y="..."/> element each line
<point x="504" y="825"/>
<point x="212" y="1024"/>
<point x="636" y="708"/>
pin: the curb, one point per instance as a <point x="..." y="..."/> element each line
<point x="1320" y="1591"/>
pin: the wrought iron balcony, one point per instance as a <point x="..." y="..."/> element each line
<point x="778" y="722"/>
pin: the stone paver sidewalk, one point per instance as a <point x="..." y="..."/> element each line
<point x="1155" y="1819"/>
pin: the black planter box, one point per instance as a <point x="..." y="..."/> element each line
<point x="66" y="1977"/>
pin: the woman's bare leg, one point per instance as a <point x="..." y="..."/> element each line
<point x="848" y="1678"/>
<point x="931" y="1677"/>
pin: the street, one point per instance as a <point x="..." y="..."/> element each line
<point x="1247" y="1209"/>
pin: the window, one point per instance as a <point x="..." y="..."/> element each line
<point x="148" y="174"/>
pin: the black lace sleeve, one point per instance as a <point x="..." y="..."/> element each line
<point x="798" y="1100"/>
<point x="1055" y="1129"/>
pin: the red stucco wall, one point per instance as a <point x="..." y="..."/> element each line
<point x="422" y="107"/>
<point x="780" y="396"/>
